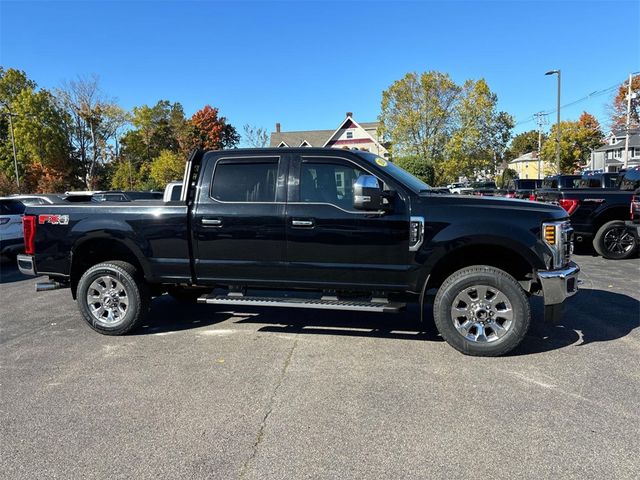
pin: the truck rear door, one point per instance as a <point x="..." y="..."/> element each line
<point x="238" y="219"/>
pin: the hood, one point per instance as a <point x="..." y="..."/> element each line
<point x="488" y="204"/>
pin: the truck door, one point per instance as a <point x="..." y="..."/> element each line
<point x="238" y="220"/>
<point x="329" y="242"/>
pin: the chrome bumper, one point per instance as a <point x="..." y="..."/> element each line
<point x="558" y="285"/>
<point x="26" y="265"/>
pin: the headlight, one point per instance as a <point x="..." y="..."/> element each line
<point x="559" y="237"/>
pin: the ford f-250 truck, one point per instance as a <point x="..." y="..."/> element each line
<point x="317" y="228"/>
<point x="598" y="214"/>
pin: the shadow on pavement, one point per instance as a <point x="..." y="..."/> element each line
<point x="169" y="315"/>
<point x="591" y="316"/>
<point x="9" y="272"/>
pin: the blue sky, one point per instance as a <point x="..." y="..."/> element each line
<point x="304" y="64"/>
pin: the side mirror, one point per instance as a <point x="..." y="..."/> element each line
<point x="367" y="194"/>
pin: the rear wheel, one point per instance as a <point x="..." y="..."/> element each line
<point x="482" y="311"/>
<point x="614" y="241"/>
<point x="113" y="298"/>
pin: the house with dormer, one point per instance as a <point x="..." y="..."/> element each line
<point x="349" y="134"/>
<point x="610" y="156"/>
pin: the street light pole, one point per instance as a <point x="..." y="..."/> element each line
<point x="13" y="144"/>
<point x="552" y="72"/>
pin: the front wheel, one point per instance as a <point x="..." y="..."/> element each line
<point x="482" y="311"/>
<point x="112" y="298"/>
<point x="614" y="241"/>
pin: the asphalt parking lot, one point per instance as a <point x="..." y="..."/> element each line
<point x="201" y="392"/>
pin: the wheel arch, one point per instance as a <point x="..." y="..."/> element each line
<point x="512" y="260"/>
<point x="98" y="249"/>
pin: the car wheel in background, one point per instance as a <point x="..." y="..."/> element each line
<point x="615" y="241"/>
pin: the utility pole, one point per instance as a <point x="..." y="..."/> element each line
<point x="552" y="72"/>
<point x="628" y="124"/>
<point x="541" y="119"/>
<point x="13" y="144"/>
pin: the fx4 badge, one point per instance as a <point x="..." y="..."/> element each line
<point x="53" y="219"/>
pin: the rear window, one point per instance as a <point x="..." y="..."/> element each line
<point x="245" y="181"/>
<point x="11" y="207"/>
<point x="526" y="184"/>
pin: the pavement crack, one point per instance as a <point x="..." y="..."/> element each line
<point x="263" y="423"/>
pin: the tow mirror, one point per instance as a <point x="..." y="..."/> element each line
<point x="367" y="194"/>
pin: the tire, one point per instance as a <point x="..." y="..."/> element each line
<point x="484" y="329"/>
<point x="186" y="295"/>
<point x="110" y="314"/>
<point x="614" y="241"/>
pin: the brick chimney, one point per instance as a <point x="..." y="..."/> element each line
<point x="278" y="127"/>
<point x="350" y="114"/>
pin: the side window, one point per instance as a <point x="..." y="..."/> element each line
<point x="245" y="180"/>
<point x="324" y="182"/>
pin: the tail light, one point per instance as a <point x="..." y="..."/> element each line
<point x="635" y="202"/>
<point x="510" y="195"/>
<point x="532" y="198"/>
<point x="569" y="204"/>
<point x="29" y="230"/>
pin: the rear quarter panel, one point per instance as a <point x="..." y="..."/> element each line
<point x="156" y="233"/>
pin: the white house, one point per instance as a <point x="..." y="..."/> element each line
<point x="610" y="157"/>
<point x="349" y="134"/>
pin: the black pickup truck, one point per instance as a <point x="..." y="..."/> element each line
<point x="316" y="228"/>
<point x="598" y="214"/>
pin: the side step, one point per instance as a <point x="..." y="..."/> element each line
<point x="302" y="303"/>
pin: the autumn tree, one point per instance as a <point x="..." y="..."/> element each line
<point x="577" y="140"/>
<point x="619" y="105"/>
<point x="256" y="137"/>
<point x="212" y="132"/>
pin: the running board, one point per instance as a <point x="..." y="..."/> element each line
<point x="302" y="303"/>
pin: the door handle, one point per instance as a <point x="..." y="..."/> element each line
<point x="302" y="223"/>
<point x="212" y="222"/>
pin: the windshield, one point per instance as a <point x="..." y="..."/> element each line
<point x="396" y="172"/>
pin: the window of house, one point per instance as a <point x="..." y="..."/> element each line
<point x="322" y="182"/>
<point x="349" y="134"/>
<point x="245" y="180"/>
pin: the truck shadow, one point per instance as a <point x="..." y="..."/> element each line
<point x="590" y="317"/>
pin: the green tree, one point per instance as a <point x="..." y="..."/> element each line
<point x="522" y="143"/>
<point x="416" y="166"/>
<point x="43" y="153"/>
<point x="454" y="130"/>
<point x="577" y="140"/>
<point x="168" y="167"/>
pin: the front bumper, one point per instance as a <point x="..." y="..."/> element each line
<point x="558" y="285"/>
<point x="26" y="265"/>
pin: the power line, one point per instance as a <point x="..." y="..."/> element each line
<point x="594" y="94"/>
